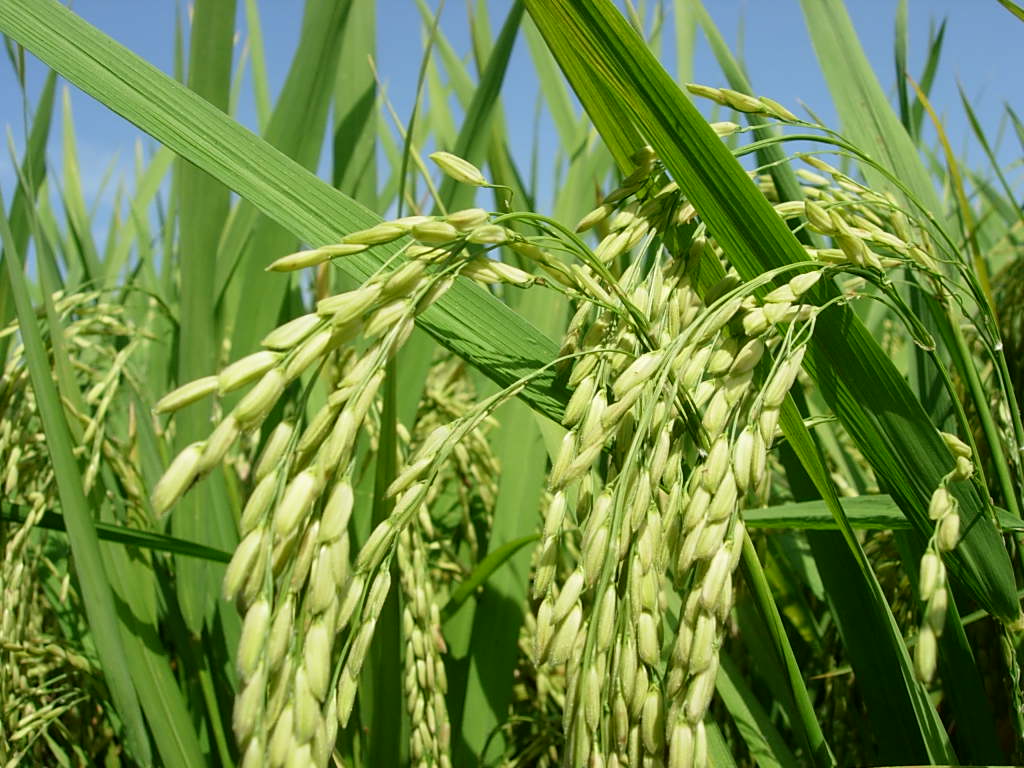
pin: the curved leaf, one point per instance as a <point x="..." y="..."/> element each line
<point x="467" y="320"/>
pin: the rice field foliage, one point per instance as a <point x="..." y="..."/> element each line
<point x="717" y="463"/>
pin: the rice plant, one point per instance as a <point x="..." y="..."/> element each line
<point x="717" y="463"/>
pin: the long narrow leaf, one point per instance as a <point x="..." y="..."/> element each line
<point x="497" y="621"/>
<point x="33" y="168"/>
<point x="134" y="582"/>
<point x="355" y="108"/>
<point x="119" y="534"/>
<point x="476" y="127"/>
<point x="760" y="735"/>
<point x="203" y="207"/>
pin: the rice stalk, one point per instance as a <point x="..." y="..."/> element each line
<point x="51" y="686"/>
<point x="678" y="352"/>
<point x="676" y="402"/>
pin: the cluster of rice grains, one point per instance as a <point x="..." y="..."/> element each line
<point x="310" y="607"/>
<point x="47" y="683"/>
<point x="932" y="582"/>
<point x="868" y="229"/>
<point x="676" y="401"/>
<point x="675" y="406"/>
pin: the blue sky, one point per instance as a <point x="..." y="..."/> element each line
<point x="983" y="51"/>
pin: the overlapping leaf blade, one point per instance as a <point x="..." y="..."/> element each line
<point x="467" y="320"/>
